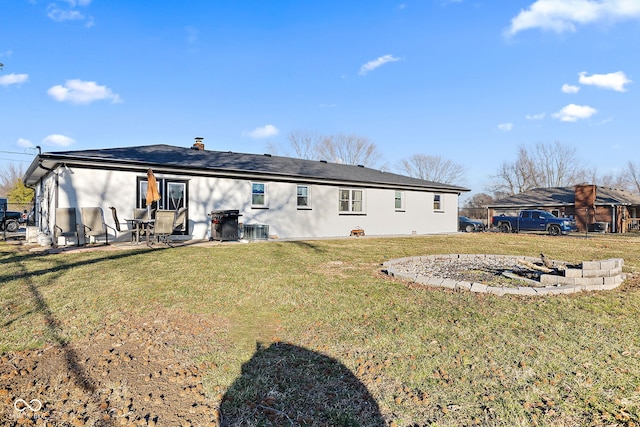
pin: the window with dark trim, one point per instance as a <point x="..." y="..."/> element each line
<point x="174" y="195"/>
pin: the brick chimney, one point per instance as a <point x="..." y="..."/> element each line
<point x="198" y="145"/>
<point x="585" y="204"/>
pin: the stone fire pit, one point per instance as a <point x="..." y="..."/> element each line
<point x="508" y="274"/>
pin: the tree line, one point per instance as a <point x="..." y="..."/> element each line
<point x="353" y="149"/>
<point x="541" y="165"/>
<point x="12" y="187"/>
<point x="551" y="165"/>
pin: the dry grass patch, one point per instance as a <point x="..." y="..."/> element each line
<point x="301" y="325"/>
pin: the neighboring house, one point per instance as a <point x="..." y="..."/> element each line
<point x="592" y="206"/>
<point x="295" y="198"/>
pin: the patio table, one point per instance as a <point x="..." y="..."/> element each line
<point x="142" y="225"/>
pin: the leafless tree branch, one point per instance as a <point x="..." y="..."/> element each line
<point x="432" y="168"/>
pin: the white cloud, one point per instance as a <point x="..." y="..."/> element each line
<point x="13" y="79"/>
<point x="614" y="81"/>
<point x="69" y="12"/>
<point x="61" y="15"/>
<point x="82" y="92"/>
<point x="74" y="3"/>
<point x="605" y="121"/>
<point x="24" y="143"/>
<point x="505" y="127"/>
<point x="564" y="15"/>
<point x="573" y="112"/>
<point x="6" y="54"/>
<point x="263" y="132"/>
<point x="538" y="116"/>
<point x="570" y="88"/>
<point x="372" y="65"/>
<point x="58" y="140"/>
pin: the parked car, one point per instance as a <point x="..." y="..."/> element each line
<point x="469" y="225"/>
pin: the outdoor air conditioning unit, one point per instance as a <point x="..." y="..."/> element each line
<point x="256" y="231"/>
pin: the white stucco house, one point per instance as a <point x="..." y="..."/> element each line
<point x="295" y="198"/>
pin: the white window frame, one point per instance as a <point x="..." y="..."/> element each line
<point x="351" y="201"/>
<point x="264" y="195"/>
<point x="399" y="197"/>
<point x="438" y="203"/>
<point x="307" y="205"/>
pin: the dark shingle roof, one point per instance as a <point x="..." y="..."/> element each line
<point x="166" y="157"/>
<point x="565" y="196"/>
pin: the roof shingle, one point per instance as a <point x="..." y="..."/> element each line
<point x="565" y="196"/>
<point x="205" y="161"/>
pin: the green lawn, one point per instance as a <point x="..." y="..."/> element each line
<point x="426" y="356"/>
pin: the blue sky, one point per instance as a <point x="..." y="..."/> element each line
<point x="468" y="80"/>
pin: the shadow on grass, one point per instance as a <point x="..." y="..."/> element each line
<point x="54" y="328"/>
<point x="307" y="245"/>
<point x="285" y="384"/>
<point x="61" y="264"/>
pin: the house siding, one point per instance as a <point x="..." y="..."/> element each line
<point x="82" y="187"/>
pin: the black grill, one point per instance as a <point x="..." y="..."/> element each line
<point x="224" y="225"/>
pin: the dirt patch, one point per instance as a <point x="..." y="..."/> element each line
<point x="133" y="374"/>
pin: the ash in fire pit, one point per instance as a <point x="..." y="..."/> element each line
<point x="531" y="272"/>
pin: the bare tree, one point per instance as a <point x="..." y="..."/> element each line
<point x="305" y="144"/>
<point x="341" y="148"/>
<point x="545" y="165"/>
<point x="632" y="176"/>
<point x="432" y="168"/>
<point x="514" y="178"/>
<point x="272" y="148"/>
<point x="9" y="177"/>
<point x="349" y="149"/>
<point x="475" y="206"/>
<point x="556" y="164"/>
<point x="12" y="187"/>
<point x="619" y="181"/>
<point x="479" y="200"/>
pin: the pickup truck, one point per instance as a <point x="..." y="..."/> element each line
<point x="9" y="220"/>
<point x="534" y="220"/>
